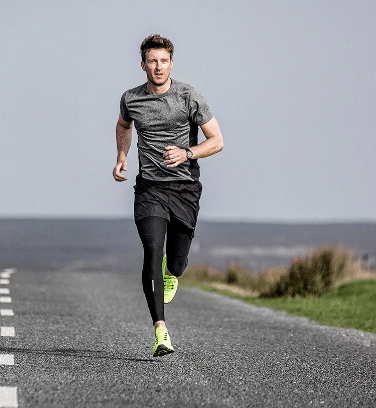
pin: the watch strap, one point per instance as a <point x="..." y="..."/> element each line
<point x="189" y="153"/>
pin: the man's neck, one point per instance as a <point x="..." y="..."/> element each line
<point x="156" y="89"/>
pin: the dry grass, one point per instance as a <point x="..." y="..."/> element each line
<point x="236" y="278"/>
<point x="236" y="290"/>
<point x="314" y="274"/>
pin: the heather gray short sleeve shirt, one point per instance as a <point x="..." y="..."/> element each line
<point x="170" y="119"/>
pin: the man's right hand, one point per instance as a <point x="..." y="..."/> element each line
<point x="117" y="171"/>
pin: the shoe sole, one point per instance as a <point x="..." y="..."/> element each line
<point x="162" y="350"/>
<point x="166" y="302"/>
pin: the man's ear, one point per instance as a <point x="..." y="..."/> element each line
<point x="143" y="65"/>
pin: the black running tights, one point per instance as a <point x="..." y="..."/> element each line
<point x="152" y="231"/>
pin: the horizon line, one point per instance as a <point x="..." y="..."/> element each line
<point x="201" y="219"/>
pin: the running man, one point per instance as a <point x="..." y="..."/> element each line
<point x="166" y="114"/>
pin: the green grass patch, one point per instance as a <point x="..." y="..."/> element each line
<point x="327" y="285"/>
<point x="350" y="305"/>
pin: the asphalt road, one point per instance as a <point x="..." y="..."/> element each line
<point x="84" y="339"/>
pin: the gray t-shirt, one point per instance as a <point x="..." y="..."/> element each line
<point x="169" y="119"/>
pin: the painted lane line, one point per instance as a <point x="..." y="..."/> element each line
<point x="7" y="331"/>
<point x="8" y="397"/>
<point x="6" y="312"/>
<point x="6" y="359"/>
<point x="4" y="281"/>
<point x="10" y="270"/>
<point x="6" y="273"/>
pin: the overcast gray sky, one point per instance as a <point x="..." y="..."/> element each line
<point x="292" y="84"/>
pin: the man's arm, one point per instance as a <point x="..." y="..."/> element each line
<point x="123" y="142"/>
<point x="213" y="144"/>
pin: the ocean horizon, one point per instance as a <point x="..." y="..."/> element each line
<point x="90" y="243"/>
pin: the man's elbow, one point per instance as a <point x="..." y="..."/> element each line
<point x="220" y="145"/>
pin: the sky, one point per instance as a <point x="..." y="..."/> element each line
<point x="291" y="83"/>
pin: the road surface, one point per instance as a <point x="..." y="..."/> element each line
<point x="85" y="338"/>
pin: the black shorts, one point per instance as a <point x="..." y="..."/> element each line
<point x="167" y="199"/>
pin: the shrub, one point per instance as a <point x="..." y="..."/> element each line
<point x="315" y="274"/>
<point x="268" y="278"/>
<point x="201" y="274"/>
<point x="236" y="274"/>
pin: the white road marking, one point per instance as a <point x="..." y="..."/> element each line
<point x="7" y="331"/>
<point x="6" y="359"/>
<point x="10" y="270"/>
<point x="6" y="312"/>
<point x="8" y="397"/>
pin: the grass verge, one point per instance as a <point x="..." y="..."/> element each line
<point x="350" y="303"/>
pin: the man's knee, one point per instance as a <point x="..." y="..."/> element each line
<point x="152" y="244"/>
<point x="176" y="266"/>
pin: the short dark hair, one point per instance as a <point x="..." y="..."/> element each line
<point x="156" y="41"/>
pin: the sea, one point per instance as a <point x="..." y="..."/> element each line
<point x="84" y="244"/>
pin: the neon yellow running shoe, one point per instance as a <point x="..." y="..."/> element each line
<point x="170" y="283"/>
<point x="162" y="344"/>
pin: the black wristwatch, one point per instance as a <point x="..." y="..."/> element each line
<point x="189" y="153"/>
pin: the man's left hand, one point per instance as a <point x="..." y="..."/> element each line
<point x="174" y="156"/>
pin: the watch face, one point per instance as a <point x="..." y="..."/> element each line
<point x="189" y="154"/>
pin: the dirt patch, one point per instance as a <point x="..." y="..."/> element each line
<point x="232" y="289"/>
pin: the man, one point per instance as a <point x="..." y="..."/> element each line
<point x="166" y="114"/>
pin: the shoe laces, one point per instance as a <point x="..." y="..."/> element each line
<point x="169" y="283"/>
<point x="161" y="337"/>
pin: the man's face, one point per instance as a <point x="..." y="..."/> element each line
<point x="157" y="65"/>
